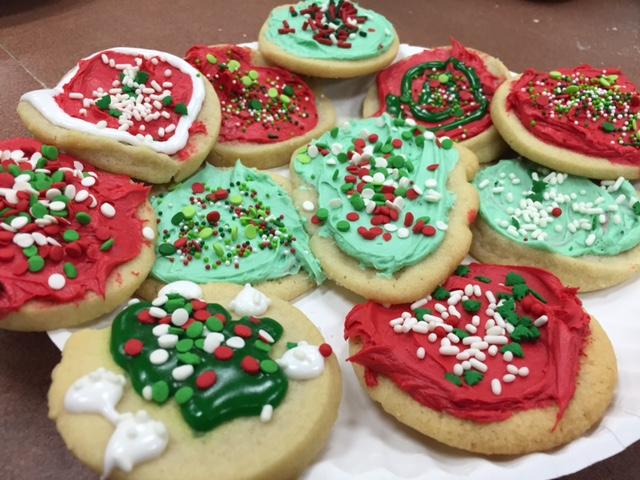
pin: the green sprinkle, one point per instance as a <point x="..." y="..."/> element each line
<point x="462" y="271"/>
<point x="515" y="348"/>
<point x="272" y="92"/>
<point x="70" y="236"/>
<point x="246" y="81"/>
<point x="268" y="366"/>
<point x="104" y="102"/>
<point x="250" y="231"/>
<point x="214" y="324"/>
<point x="30" y="251"/>
<point x="211" y="59"/>
<point x="168" y="100"/>
<point x="188" y="358"/>
<point x="556" y="75"/>
<point x="70" y="270"/>
<point x="195" y="330"/>
<point x="115" y="113"/>
<point x="572" y="89"/>
<point x="181" y="109"/>
<point x="177" y="218"/>
<point x="183" y="395"/>
<point x="36" y="263"/>
<point x="472" y="377"/>
<point x="443" y="78"/>
<point x="49" y="152"/>
<point x="357" y="202"/>
<point x="441" y="293"/>
<point x="288" y="90"/>
<point x="83" y="218"/>
<point x="419" y="313"/>
<point x="471" y="306"/>
<point x="520" y="291"/>
<point x="483" y="279"/>
<point x="636" y="208"/>
<point x="291" y="345"/>
<point x="184" y="345"/>
<point x="233" y="65"/>
<point x="284" y="98"/>
<point x="235" y="199"/>
<point x="260" y="345"/>
<point x="604" y="82"/>
<point x="205" y="233"/>
<point x="160" y="391"/>
<point x="453" y="379"/>
<point x="343" y="226"/>
<point x="141" y="77"/>
<point x="166" y="249"/>
<point x="322" y="214"/>
<point x="304" y="158"/>
<point x="447" y="143"/>
<point x="218" y="248"/>
<point x="334" y="132"/>
<point x="253" y="75"/>
<point x="106" y="246"/>
<point x="608" y="127"/>
<point x="255" y="104"/>
<point x="189" y="211"/>
<point x="513" y="279"/>
<point x="460" y="333"/>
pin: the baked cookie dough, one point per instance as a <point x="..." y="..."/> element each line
<point x="244" y="387"/>
<point x="582" y="121"/>
<point x="447" y="90"/>
<point x="143" y="113"/>
<point x="234" y="225"/>
<point x="267" y="112"/>
<point x="74" y="242"/>
<point x="498" y="361"/>
<point x="389" y="206"/>
<point x="328" y="39"/>
<point x="586" y="233"/>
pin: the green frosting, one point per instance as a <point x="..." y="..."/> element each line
<point x="557" y="212"/>
<point x="218" y="387"/>
<point x="381" y="187"/>
<point x="230" y="225"/>
<point x="370" y="38"/>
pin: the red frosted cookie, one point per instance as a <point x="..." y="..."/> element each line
<point x="498" y="360"/>
<point x="267" y="111"/>
<point x="74" y="242"/>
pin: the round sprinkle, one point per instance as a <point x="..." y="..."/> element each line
<point x="160" y="391"/>
<point x="133" y="347"/>
<point x="70" y="236"/>
<point x="179" y="317"/>
<point x="57" y="281"/>
<point x="223" y="353"/>
<point x="108" y="210"/>
<point x="214" y="324"/>
<point x="250" y="365"/>
<point x="166" y="249"/>
<point x="183" y="395"/>
<point x="70" y="270"/>
<point x="148" y="233"/>
<point x="159" y="356"/>
<point x="23" y="240"/>
<point x="268" y="366"/>
<point x="206" y="380"/>
<point x="235" y="342"/>
<point x="184" y="345"/>
<point x="195" y="330"/>
<point x="325" y="350"/>
<point x="308" y="206"/>
<point x="243" y="331"/>
<point x="36" y="263"/>
<point x="83" y="218"/>
<point x="182" y="372"/>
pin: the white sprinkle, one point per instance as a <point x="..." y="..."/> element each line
<point x="157" y="312"/>
<point x="403" y="232"/>
<point x="81" y="196"/>
<point x="541" y="320"/>
<point x="159" y="356"/>
<point x="496" y="387"/>
<point x="147" y="392"/>
<point x="88" y="181"/>
<point x="508" y="378"/>
<point x="496" y="339"/>
<point x="478" y="365"/>
<point x="212" y="341"/>
<point x="507" y="356"/>
<point x="421" y="353"/>
<point x="235" y="342"/>
<point x="432" y="337"/>
<point x="458" y="370"/>
<point x="182" y="372"/>
<point x="512" y="369"/>
<point x="265" y="336"/>
<point x="148" y="233"/>
<point x="168" y="340"/>
<point x="308" y="206"/>
<point x="159" y="301"/>
<point x="523" y="372"/>
<point x="107" y="210"/>
<point x="57" y="206"/>
<point x="57" y="281"/>
<point x="493" y="350"/>
<point x="266" y="413"/>
<point x="179" y="317"/>
<point x="19" y="222"/>
<point x="160" y="329"/>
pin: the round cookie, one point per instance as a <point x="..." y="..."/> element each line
<point x="267" y="112"/>
<point x="587" y="234"/>
<point x="234" y="225"/>
<point x="143" y="113"/>
<point x="328" y="39"/>
<point x="389" y="206"/>
<point x="523" y="369"/>
<point x="447" y="90"/>
<point x="581" y="121"/>
<point x="213" y="417"/>
<point x="75" y="243"/>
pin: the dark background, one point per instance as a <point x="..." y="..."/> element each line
<point x="40" y="40"/>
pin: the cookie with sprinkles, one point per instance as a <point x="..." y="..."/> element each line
<point x="582" y="120"/>
<point x="586" y="232"/>
<point x="447" y="90"/>
<point x="74" y="242"/>
<point x="175" y="379"/>
<point x="498" y="360"/>
<point x="267" y="112"/>
<point x="143" y="113"/>
<point x="388" y="205"/>
<point x="234" y="225"/>
<point x="328" y="39"/>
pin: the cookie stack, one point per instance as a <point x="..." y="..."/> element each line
<point x="387" y="206"/>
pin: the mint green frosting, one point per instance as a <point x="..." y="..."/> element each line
<point x="302" y="44"/>
<point x="518" y="198"/>
<point x="257" y="213"/>
<point x="401" y="170"/>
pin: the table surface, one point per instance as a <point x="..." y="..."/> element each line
<point x="41" y="39"/>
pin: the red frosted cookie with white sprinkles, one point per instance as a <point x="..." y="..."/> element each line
<point x="498" y="360"/>
<point x="74" y="242"/>
<point x="144" y="113"/>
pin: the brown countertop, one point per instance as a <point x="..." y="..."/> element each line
<point x="41" y="39"/>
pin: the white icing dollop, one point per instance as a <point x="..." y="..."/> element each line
<point x="137" y="438"/>
<point x="302" y="362"/>
<point x="98" y="392"/>
<point x="250" y="302"/>
<point x="43" y="100"/>
<point x="184" y="288"/>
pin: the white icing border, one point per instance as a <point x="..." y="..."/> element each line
<point x="43" y="101"/>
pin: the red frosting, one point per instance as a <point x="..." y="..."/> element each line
<point x="389" y="81"/>
<point x="553" y="360"/>
<point x="535" y="99"/>
<point x="249" y="114"/>
<point x="93" y="74"/>
<point x="18" y="284"/>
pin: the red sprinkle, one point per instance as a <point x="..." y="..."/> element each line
<point x="412" y="194"/>
<point x="325" y="350"/>
<point x="243" y="331"/>
<point x="223" y="353"/>
<point x="556" y="212"/>
<point x="198" y="304"/>
<point x="197" y="187"/>
<point x="206" y="380"/>
<point x="432" y="167"/>
<point x="145" y="317"/>
<point x="250" y="365"/>
<point x="201" y="315"/>
<point x="428" y="231"/>
<point x="396" y="142"/>
<point x="353" y="217"/>
<point x="133" y="347"/>
<point x="213" y="217"/>
<point x="373" y="138"/>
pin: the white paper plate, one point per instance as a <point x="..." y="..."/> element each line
<point x="368" y="444"/>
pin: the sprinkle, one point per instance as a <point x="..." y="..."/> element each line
<point x="182" y="372"/>
<point x="421" y="353"/>
<point x="107" y="210"/>
<point x="148" y="233"/>
<point x="159" y="356"/>
<point x="496" y="387"/>
<point x="56" y="281"/>
<point x="266" y="413"/>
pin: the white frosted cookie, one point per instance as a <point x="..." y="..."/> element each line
<point x="139" y="112"/>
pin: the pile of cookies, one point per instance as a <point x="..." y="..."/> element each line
<point x="147" y="179"/>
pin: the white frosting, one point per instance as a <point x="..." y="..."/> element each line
<point x="302" y="362"/>
<point x="97" y="392"/>
<point x="43" y="101"/>
<point x="137" y="438"/>
<point x="250" y="302"/>
<point x="184" y="288"/>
